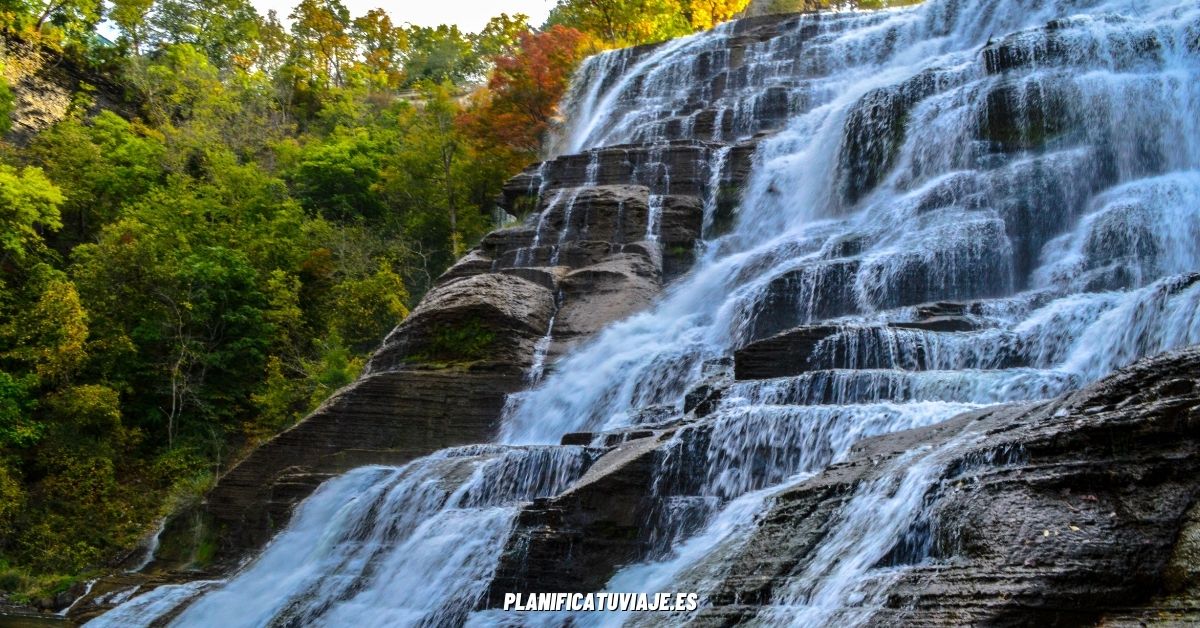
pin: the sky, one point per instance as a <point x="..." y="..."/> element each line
<point x="469" y="15"/>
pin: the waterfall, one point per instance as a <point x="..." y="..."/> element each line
<point x="1035" y="161"/>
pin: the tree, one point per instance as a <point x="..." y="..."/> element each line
<point x="501" y="36"/>
<point x="51" y="334"/>
<point x="623" y="22"/>
<point x="132" y="20"/>
<point x="272" y="46"/>
<point x="7" y="105"/>
<point x="440" y="54"/>
<point x="335" y="177"/>
<point x="73" y="16"/>
<point x="525" y="89"/>
<point x="29" y="202"/>
<point x="201" y="269"/>
<point x="423" y="175"/>
<point x="369" y="307"/>
<point x="321" y="32"/>
<point x="705" y="14"/>
<point x="98" y="165"/>
<point x="223" y="30"/>
<point x="381" y="45"/>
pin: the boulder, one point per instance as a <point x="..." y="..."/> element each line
<point x="490" y="319"/>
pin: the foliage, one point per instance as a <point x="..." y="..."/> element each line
<point x="463" y="343"/>
<point x="28" y="202"/>
<point x="525" y="88"/>
<point x="6" y="104"/>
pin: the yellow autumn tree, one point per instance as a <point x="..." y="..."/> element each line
<point x="55" y="331"/>
<point x="705" y="14"/>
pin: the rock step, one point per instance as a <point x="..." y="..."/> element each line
<point x="675" y="167"/>
<point x="939" y="343"/>
<point x="841" y="387"/>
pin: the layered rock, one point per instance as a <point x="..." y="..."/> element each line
<point x="44" y="83"/>
<point x="1063" y="512"/>
<point x="576" y="540"/>
<point x="1073" y="510"/>
<point x="909" y="345"/>
<point x="906" y="313"/>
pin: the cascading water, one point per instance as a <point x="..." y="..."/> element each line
<point x="1036" y="160"/>
<point x="379" y="546"/>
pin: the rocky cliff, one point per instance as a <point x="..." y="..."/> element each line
<point x="43" y="83"/>
<point x="832" y="318"/>
<point x="595" y="250"/>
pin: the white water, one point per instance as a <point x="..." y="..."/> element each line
<point x="1076" y="230"/>
<point x="380" y="546"/>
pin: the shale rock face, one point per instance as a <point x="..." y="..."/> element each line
<point x="486" y="321"/>
<point x="579" y="538"/>
<point x="387" y="417"/>
<point x="1065" y="511"/>
<point x="43" y="83"/>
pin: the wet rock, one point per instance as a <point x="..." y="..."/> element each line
<point x="781" y="355"/>
<point x="632" y="164"/>
<point x="1028" y="114"/>
<point x="599" y="294"/>
<point x="653" y="415"/>
<point x="577" y="438"/>
<point x="388" y="417"/>
<point x="1061" y="511"/>
<point x="1060" y="44"/>
<point x="1022" y="50"/>
<point x="704" y="398"/>
<point x="969" y="259"/>
<point x="816" y="291"/>
<point x="874" y="132"/>
<point x="575" y="541"/>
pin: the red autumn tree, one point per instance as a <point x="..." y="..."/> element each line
<point x="525" y="87"/>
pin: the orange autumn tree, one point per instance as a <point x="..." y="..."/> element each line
<point x="515" y="111"/>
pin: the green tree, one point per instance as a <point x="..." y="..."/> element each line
<point x="440" y="54"/>
<point x="29" y="203"/>
<point x="132" y="18"/>
<point x="623" y="22"/>
<point x="429" y="176"/>
<point x="369" y="307"/>
<point x="322" y="39"/>
<point x="501" y="36"/>
<point x="73" y="17"/>
<point x="336" y="177"/>
<point x="381" y="45"/>
<point x="222" y="30"/>
<point x="99" y="165"/>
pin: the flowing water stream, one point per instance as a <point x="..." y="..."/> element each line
<point x="1039" y="159"/>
